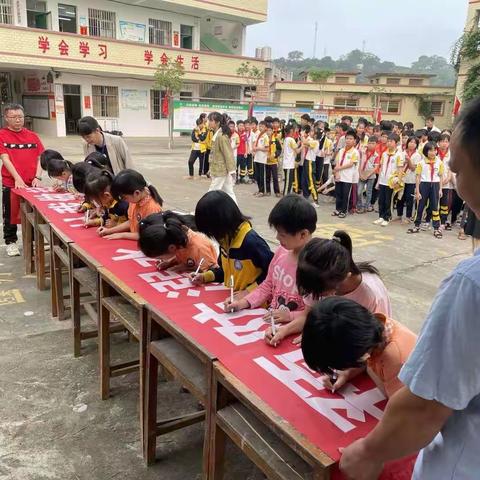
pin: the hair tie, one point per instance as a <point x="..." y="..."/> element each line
<point x="337" y="239"/>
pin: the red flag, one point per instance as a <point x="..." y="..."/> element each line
<point x="165" y="106"/>
<point x="456" y="106"/>
<point x="378" y="116"/>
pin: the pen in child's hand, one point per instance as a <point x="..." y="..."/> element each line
<point x="333" y="380"/>
<point x="198" y="268"/>
<point x="86" y="218"/>
<point x="231" y="291"/>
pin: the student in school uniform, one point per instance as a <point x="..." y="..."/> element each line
<point x="242" y="155"/>
<point x="271" y="172"/>
<point x="234" y="142"/>
<point x="298" y="178"/>
<point x="448" y="181"/>
<point x="260" y="151"/>
<point x="252" y="138"/>
<point x="366" y="171"/>
<point x="311" y="144"/>
<point x="346" y="164"/>
<point x="390" y="163"/>
<point x="199" y="147"/>
<point x="290" y="151"/>
<point x="429" y="188"/>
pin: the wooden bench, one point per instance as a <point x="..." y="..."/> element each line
<point x="272" y="444"/>
<point x="27" y="216"/>
<point x="181" y="359"/>
<point x="59" y="253"/>
<point x="42" y="245"/>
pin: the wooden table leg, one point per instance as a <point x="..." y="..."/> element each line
<point x="40" y="260"/>
<point x="75" y="311"/>
<point x="104" y="344"/>
<point x="58" y="275"/>
<point x="53" y="285"/>
<point x="28" y="245"/>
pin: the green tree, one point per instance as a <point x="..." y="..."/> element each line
<point x="169" y="77"/>
<point x="320" y="77"/>
<point x="295" y="55"/>
<point x="252" y="75"/>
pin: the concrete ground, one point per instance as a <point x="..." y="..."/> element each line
<point x="54" y="426"/>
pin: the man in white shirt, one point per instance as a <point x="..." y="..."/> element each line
<point x="430" y="125"/>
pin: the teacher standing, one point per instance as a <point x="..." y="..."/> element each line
<point x="112" y="146"/>
<point x="438" y="410"/>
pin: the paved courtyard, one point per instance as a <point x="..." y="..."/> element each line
<point x="53" y="425"/>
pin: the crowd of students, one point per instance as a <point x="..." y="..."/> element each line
<point x="402" y="173"/>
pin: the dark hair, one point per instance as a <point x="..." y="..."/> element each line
<point x="338" y="332"/>
<point x="293" y="214"/>
<point x="48" y="155"/>
<point x="318" y="132"/>
<point x="221" y="120"/>
<point x="275" y="119"/>
<point x="373" y="138"/>
<point x="12" y="106"/>
<point x="344" y="126"/>
<point x="413" y="138"/>
<point x="409" y="126"/>
<point x="306" y="117"/>
<point x="430" y="118"/>
<point x="434" y="136"/>
<point x="395" y="137"/>
<point x="218" y="216"/>
<point x="351" y="133"/>
<point x="198" y="121"/>
<point x="421" y="132"/>
<point x="323" y="264"/>
<point x="57" y="166"/>
<point x="288" y="129"/>
<point x="254" y="121"/>
<point x="97" y="159"/>
<point x="444" y="136"/>
<point x="307" y="129"/>
<point x="467" y="128"/>
<point x="386" y="125"/>
<point x="159" y="231"/>
<point x="347" y="117"/>
<point x="428" y="146"/>
<point x="98" y="182"/>
<point x="87" y="125"/>
<point x="128" y="181"/>
<point x="239" y="122"/>
<point x="80" y="172"/>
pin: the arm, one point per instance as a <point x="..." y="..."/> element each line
<point x="125" y="154"/>
<point x="409" y="424"/>
<point x="121" y="227"/>
<point x="227" y="154"/>
<point x="19" y="183"/>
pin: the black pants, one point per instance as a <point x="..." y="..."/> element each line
<point x="319" y="164"/>
<point x="205" y="163"/>
<point x="194" y="154"/>
<point x="308" y="180"/>
<point x="406" y="200"/>
<point x="445" y="204"/>
<point x="288" y="174"/>
<point x="457" y="205"/>
<point x="297" y="178"/>
<point x="260" y="176"/>
<point x="272" y="176"/>
<point x="242" y="166"/>
<point x="342" y="196"/>
<point x="325" y="173"/>
<point x="385" y="202"/>
<point x="430" y="193"/>
<point x="250" y="166"/>
<point x="9" y="230"/>
<point x="375" y="193"/>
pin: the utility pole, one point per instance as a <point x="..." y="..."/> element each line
<point x="315" y="41"/>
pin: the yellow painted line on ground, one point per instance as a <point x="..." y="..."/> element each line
<point x="11" y="297"/>
<point x="360" y="236"/>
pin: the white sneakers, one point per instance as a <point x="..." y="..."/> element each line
<point x="378" y="221"/>
<point x="12" y="250"/>
<point x="384" y="223"/>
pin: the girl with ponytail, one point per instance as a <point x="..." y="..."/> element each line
<point x="61" y="170"/>
<point x="222" y="163"/>
<point x="169" y="237"/>
<point x="129" y="185"/>
<point x="325" y="268"/>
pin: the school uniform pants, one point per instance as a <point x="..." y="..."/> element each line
<point x="430" y="195"/>
<point x="342" y="196"/>
<point x="457" y="205"/>
<point x="272" y="176"/>
<point x="261" y="176"/>
<point x="375" y="193"/>
<point x="297" y="178"/>
<point x="407" y="200"/>
<point x="319" y="165"/>
<point x="225" y="183"/>
<point x="445" y="204"/>
<point x="205" y="163"/>
<point x="194" y="154"/>
<point x="9" y="229"/>
<point x="367" y="187"/>
<point x="250" y="166"/>
<point x="308" y="180"/>
<point x="288" y="174"/>
<point x="242" y="166"/>
<point x="385" y="202"/>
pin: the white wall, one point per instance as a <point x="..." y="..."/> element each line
<point x="232" y="36"/>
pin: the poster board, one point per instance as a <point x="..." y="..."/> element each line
<point x="36" y="106"/>
<point x="133" y="32"/>
<point x="134" y="99"/>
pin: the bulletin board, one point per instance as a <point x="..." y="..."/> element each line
<point x="36" y="106"/>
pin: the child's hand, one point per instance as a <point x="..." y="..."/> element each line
<point x="197" y="279"/>
<point x="342" y="379"/>
<point x="110" y="223"/>
<point x="282" y="315"/>
<point x="440" y="194"/>
<point x="82" y="208"/>
<point x="275" y="340"/>
<point x="236" y="306"/>
<point x="114" y="236"/>
<point x="59" y="189"/>
<point x="90" y="223"/>
<point x="418" y="196"/>
<point x="237" y="296"/>
<point x="297" y="340"/>
<point x="165" y="264"/>
<point x="102" y="231"/>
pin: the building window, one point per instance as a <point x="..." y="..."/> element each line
<point x="37" y="15"/>
<point x="186" y="95"/>
<point x="393" y="81"/>
<point x="105" y="101"/>
<point x="415" y="82"/>
<point x="101" y="23"/>
<point x="390" y="106"/>
<point x="304" y="105"/>
<point x="341" y="80"/>
<point x="156" y="103"/>
<point x="341" y="102"/>
<point x="67" y="18"/>
<point x="186" y="37"/>
<point x="437" y="108"/>
<point x="6" y="13"/>
<point x="159" y="32"/>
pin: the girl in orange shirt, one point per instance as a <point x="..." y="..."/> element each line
<point x="170" y="238"/>
<point x="144" y="200"/>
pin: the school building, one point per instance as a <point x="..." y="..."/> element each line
<point x="84" y="57"/>
<point x="398" y="96"/>
<point x="472" y="24"/>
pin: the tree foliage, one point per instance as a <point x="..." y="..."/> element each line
<point x="368" y="64"/>
<point x="252" y="75"/>
<point x="169" y="77"/>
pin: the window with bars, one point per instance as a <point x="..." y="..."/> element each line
<point x="156" y="101"/>
<point x="393" y="81"/>
<point x="415" y="82"/>
<point x="101" y="23"/>
<point x="436" y="107"/>
<point x="6" y="12"/>
<point x="390" y="106"/>
<point x="342" y="80"/>
<point x="304" y="104"/>
<point x="105" y="101"/>
<point x="159" y="32"/>
<point x="345" y="102"/>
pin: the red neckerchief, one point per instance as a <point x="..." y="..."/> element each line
<point x="367" y="159"/>
<point x="442" y="155"/>
<point x="345" y="151"/>
<point x="409" y="156"/>
<point x="390" y="155"/>
<point x="432" y="169"/>
<point x="258" y="139"/>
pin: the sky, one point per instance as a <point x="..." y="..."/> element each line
<point x="398" y="31"/>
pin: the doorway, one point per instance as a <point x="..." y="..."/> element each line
<point x="73" y="107"/>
